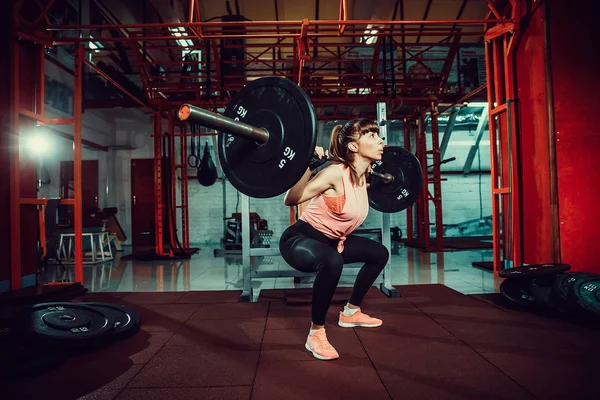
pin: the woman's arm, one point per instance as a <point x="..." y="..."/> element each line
<point x="305" y="190"/>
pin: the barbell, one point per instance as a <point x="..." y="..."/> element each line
<point x="268" y="135"/>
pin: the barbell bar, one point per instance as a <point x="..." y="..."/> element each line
<point x="209" y="119"/>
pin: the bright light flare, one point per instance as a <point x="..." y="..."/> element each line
<point x="37" y="144"/>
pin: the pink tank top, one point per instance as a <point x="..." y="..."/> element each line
<point x="337" y="216"/>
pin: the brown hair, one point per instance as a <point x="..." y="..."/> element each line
<point x="342" y="135"/>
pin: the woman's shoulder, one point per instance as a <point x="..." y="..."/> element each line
<point x="331" y="173"/>
<point x="334" y="169"/>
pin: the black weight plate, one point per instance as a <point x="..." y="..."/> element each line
<point x="534" y="270"/>
<point x="406" y="187"/>
<point x="127" y="320"/>
<point x="66" y="323"/>
<point x="563" y="283"/>
<point x="518" y="292"/>
<point x="285" y="111"/>
<point x="541" y="290"/>
<point x="587" y="293"/>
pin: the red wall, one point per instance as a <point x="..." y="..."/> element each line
<point x="532" y="118"/>
<point x="4" y="154"/>
<point x="575" y="47"/>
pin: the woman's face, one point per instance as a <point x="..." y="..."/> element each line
<point x="370" y="146"/>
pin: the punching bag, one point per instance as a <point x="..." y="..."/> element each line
<point x="207" y="171"/>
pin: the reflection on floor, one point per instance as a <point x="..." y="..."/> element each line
<point x="206" y="272"/>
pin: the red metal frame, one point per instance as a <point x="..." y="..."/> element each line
<point x="324" y="76"/>
<point x="158" y="186"/>
<point x="506" y="219"/>
<point x="16" y="200"/>
<point x="332" y="85"/>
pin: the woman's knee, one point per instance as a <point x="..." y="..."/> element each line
<point x="331" y="262"/>
<point x="380" y="254"/>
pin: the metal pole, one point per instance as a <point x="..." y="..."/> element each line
<point x="77" y="127"/>
<point x="158" y="186"/>
<point x="409" y="210"/>
<point x="421" y="133"/>
<point x="172" y="204"/>
<point x="185" y="221"/>
<point x="437" y="182"/>
<point x="221" y="123"/>
<point x="386" y="287"/>
<point x="247" y="295"/>
<point x="552" y="168"/>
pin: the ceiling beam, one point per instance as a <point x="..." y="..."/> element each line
<point x="425" y="15"/>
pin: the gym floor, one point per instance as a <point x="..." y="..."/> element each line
<point x="449" y="336"/>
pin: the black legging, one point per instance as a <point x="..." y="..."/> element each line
<point x="308" y="250"/>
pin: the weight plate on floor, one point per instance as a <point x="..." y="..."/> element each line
<point x="517" y="291"/>
<point x="127" y="321"/>
<point x="586" y="292"/>
<point x="285" y="111"/>
<point x="66" y="323"/>
<point x="406" y="187"/>
<point x="541" y="290"/>
<point x="563" y="283"/>
<point x="534" y="270"/>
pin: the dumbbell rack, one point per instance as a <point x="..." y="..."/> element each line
<point x="248" y="252"/>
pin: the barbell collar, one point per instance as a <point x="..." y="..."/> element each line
<point x="209" y="119"/>
<point x="386" y="178"/>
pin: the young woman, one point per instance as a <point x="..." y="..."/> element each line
<point x="321" y="241"/>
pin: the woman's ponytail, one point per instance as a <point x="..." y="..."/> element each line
<point x="335" y="150"/>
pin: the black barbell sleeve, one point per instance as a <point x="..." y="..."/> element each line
<point x="209" y="119"/>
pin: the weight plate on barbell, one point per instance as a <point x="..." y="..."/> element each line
<point x="586" y="292"/>
<point x="285" y="111"/>
<point x="406" y="187"/>
<point x="127" y="321"/>
<point x="67" y="323"/>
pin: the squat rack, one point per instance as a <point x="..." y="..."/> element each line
<point x="500" y="27"/>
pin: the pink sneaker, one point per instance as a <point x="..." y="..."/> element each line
<point x="358" y="319"/>
<point x="318" y="345"/>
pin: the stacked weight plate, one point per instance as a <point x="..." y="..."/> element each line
<point x="550" y="287"/>
<point x="43" y="336"/>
